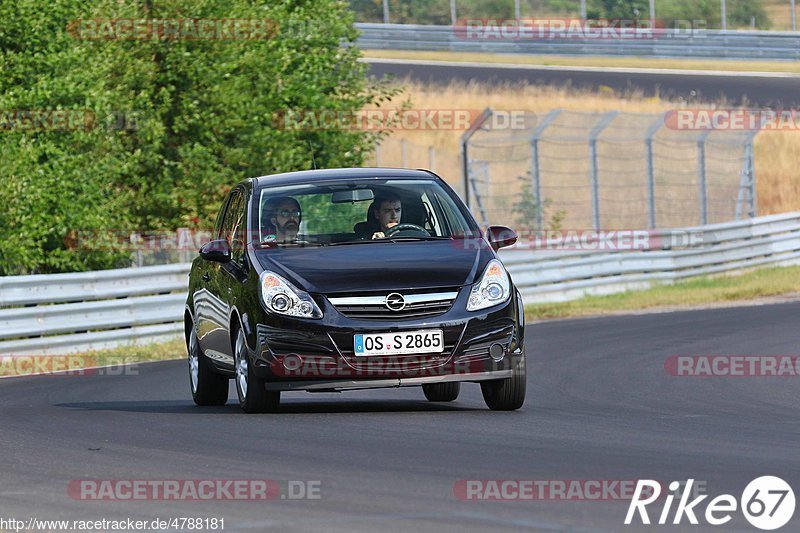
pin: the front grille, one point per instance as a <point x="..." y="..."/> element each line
<point x="373" y="306"/>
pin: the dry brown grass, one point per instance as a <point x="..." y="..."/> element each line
<point x="776" y="152"/>
<point x="780" y="14"/>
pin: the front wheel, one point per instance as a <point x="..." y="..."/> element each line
<point x="442" y="392"/>
<point x="208" y="387"/>
<point x="253" y="395"/>
<point x="506" y="394"/>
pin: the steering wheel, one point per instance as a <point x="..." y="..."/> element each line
<point x="406" y="227"/>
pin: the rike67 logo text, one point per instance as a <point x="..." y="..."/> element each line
<point x="767" y="503"/>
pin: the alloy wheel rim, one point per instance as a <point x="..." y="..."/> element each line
<point x="194" y="360"/>
<point x="241" y="366"/>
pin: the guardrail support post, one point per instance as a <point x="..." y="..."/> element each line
<point x="651" y="179"/>
<point x="701" y="169"/>
<point x="602" y="124"/>
<point x="535" y="173"/>
<point x="751" y="168"/>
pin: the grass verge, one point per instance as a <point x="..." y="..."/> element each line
<point x="755" y="284"/>
<point x="116" y="357"/>
<point x="731" y="65"/>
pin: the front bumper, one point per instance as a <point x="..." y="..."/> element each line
<point x="295" y="354"/>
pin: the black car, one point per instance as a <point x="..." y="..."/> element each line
<point x="332" y="280"/>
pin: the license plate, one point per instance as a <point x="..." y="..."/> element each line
<point x="400" y="343"/>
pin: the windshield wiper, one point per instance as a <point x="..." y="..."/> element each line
<point x="358" y="242"/>
<point x="431" y="238"/>
<point x="390" y="239"/>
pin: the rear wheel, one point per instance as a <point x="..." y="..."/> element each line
<point x="253" y="394"/>
<point x="506" y="394"/>
<point x="208" y="387"/>
<point x="442" y="392"/>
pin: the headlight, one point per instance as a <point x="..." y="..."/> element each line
<point x="282" y="298"/>
<point x="493" y="288"/>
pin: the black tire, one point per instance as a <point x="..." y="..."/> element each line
<point x="253" y="394"/>
<point x="506" y="394"/>
<point x="207" y="386"/>
<point x="442" y="392"/>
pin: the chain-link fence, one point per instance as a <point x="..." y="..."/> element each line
<point x="611" y="170"/>
<point x="402" y="153"/>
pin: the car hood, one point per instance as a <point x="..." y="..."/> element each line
<point x="380" y="266"/>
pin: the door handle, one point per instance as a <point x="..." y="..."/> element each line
<point x="206" y="277"/>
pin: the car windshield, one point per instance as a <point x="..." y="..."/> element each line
<point x="358" y="211"/>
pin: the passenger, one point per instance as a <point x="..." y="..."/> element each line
<point x="284" y="216"/>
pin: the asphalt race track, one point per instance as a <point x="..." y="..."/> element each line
<point x="600" y="407"/>
<point x="760" y="91"/>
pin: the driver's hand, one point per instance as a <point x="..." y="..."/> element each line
<point x="380" y="234"/>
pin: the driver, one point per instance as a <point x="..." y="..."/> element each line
<point x="284" y="218"/>
<point x="387" y="212"/>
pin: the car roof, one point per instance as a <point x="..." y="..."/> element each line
<point x="306" y="176"/>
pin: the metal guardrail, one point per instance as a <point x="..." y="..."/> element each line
<point x="63" y="313"/>
<point x="738" y="44"/>
<point x="552" y="276"/>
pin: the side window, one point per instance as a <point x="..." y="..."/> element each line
<point x="219" y="222"/>
<point x="234" y="227"/>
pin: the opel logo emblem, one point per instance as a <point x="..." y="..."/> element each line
<point x="395" y="302"/>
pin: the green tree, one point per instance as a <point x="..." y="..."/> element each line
<point x="205" y="117"/>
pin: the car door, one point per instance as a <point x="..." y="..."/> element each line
<point x="205" y="297"/>
<point x="211" y="308"/>
<point x="231" y="275"/>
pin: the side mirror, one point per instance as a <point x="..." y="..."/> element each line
<point x="500" y="237"/>
<point x="218" y="251"/>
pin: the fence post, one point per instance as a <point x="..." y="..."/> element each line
<point x="475" y="126"/>
<point x="701" y="168"/>
<point x="476" y="190"/>
<point x="602" y="124"/>
<point x="651" y="178"/>
<point x="535" y="174"/>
